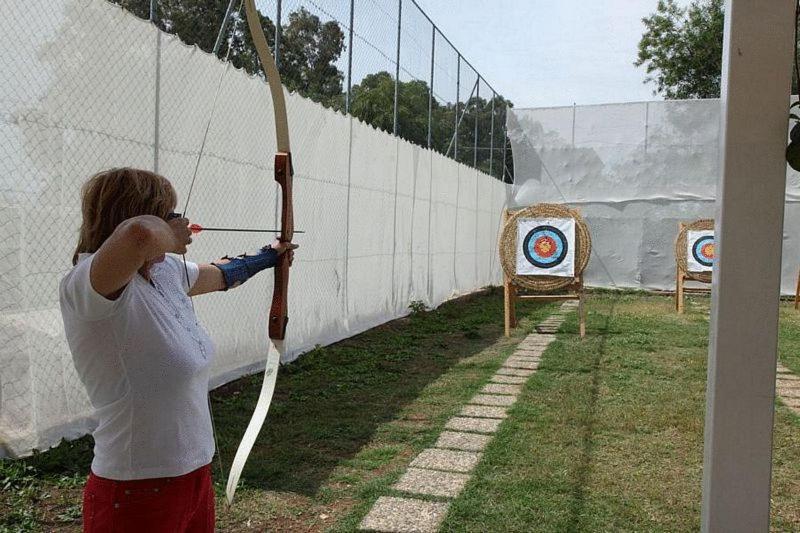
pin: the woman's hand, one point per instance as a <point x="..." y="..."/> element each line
<point x="284" y="248"/>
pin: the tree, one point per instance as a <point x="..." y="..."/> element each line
<point x="372" y="101"/>
<point x="681" y="49"/>
<point x="308" y="52"/>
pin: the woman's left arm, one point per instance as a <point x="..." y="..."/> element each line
<point x="213" y="277"/>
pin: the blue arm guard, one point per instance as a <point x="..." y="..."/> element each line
<point x="243" y="267"/>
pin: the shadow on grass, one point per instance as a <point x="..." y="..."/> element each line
<point x="584" y="466"/>
<point x="328" y="404"/>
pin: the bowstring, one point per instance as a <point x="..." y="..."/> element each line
<point x="194" y="179"/>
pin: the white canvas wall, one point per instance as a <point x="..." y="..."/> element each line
<point x="386" y="222"/>
<point x="635" y="171"/>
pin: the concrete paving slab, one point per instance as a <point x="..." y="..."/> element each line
<point x="431" y="482"/>
<point x="512" y="380"/>
<point x="500" y="388"/>
<point x="516" y="363"/>
<point x="529" y="353"/>
<point x="538" y="339"/>
<point x="477" y="425"/>
<point x="484" y="411"/>
<point x="492" y="399"/>
<point x="523" y="372"/>
<point x="404" y="515"/>
<point x="791" y="402"/>
<point x="789" y="392"/>
<point x="448" y="460"/>
<point x="524" y="358"/>
<point x="471" y="442"/>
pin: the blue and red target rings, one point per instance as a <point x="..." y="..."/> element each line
<point x="545" y="246"/>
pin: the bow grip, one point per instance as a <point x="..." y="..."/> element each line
<point x="278" y="315"/>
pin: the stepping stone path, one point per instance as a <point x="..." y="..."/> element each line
<point x="787" y="386"/>
<point x="444" y="470"/>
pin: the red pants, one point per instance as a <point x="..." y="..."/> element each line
<point x="168" y="504"/>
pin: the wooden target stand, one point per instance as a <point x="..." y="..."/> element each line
<point x="797" y="293"/>
<point x="542" y="288"/>
<point x="512" y="294"/>
<point x="682" y="272"/>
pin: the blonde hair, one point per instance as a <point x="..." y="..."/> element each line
<point x="112" y="196"/>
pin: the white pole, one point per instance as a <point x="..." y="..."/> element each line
<point x="744" y="317"/>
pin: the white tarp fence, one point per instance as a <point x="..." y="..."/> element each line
<point x="635" y="171"/>
<point x="386" y="222"/>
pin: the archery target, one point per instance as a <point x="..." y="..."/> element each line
<point x="700" y="251"/>
<point x="546" y="247"/>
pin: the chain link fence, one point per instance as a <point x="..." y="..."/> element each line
<point x="382" y="61"/>
<point x="92" y="85"/>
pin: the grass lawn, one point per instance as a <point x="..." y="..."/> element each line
<point x="607" y="436"/>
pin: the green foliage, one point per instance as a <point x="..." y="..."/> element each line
<point x="681" y="49"/>
<point x="18" y="482"/>
<point x="417" y="307"/>
<point x="52" y="480"/>
<point x="309" y="51"/>
<point x="373" y="100"/>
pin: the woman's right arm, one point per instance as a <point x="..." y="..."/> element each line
<point x="135" y="243"/>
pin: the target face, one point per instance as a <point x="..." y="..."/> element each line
<point x="546" y="247"/>
<point x="700" y="251"/>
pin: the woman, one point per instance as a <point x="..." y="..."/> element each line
<point x="143" y="356"/>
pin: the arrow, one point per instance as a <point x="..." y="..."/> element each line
<point x="197" y="228"/>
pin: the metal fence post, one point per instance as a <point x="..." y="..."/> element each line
<point x="222" y="28"/>
<point x="475" y="139"/>
<point x="458" y="95"/>
<point x="646" y="123"/>
<point x="430" y="89"/>
<point x="348" y="96"/>
<point x="505" y="142"/>
<point x="397" y="64"/>
<point x="491" y="137"/>
<point x="574" y="107"/>
<point x="157" y="95"/>
<point x="277" y="51"/>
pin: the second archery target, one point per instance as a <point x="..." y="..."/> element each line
<point x="695" y="255"/>
<point x="700" y="248"/>
<point x="546" y="246"/>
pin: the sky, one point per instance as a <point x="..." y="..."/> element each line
<point x="541" y="53"/>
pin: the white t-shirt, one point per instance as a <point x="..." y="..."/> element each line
<point x="144" y="360"/>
